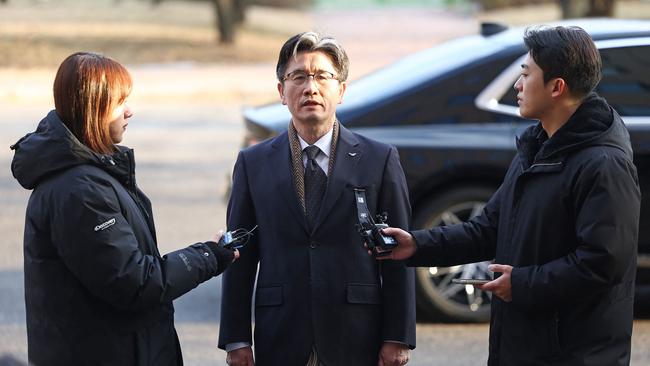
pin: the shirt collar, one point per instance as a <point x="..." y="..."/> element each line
<point x="324" y="143"/>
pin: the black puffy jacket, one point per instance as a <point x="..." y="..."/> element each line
<point x="97" y="291"/>
<point x="567" y="219"/>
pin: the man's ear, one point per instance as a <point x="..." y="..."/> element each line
<point x="342" y="87"/>
<point x="559" y="87"/>
<point x="281" y="91"/>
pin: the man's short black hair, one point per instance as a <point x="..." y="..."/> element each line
<point x="568" y="53"/>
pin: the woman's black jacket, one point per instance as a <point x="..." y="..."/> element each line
<point x="97" y="291"/>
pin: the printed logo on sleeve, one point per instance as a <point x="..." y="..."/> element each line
<point x="105" y="225"/>
<point x="186" y="261"/>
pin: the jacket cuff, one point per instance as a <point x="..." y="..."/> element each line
<point x="224" y="256"/>
<point x="236" y="345"/>
<point x="424" y="254"/>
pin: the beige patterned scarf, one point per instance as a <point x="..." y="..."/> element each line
<point x="297" y="167"/>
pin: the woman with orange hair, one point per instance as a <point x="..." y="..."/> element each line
<point x="97" y="290"/>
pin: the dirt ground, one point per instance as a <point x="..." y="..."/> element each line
<point x="40" y="33"/>
<point x="173" y="52"/>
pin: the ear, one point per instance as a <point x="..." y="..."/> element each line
<point x="342" y="87"/>
<point x="281" y="91"/>
<point x="558" y="87"/>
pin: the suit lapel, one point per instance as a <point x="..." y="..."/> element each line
<point x="281" y="171"/>
<point x="348" y="153"/>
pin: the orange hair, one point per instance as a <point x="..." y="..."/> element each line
<point x="87" y="88"/>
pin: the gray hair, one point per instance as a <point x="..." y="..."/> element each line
<point x="313" y="42"/>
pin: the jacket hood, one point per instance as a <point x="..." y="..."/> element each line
<point x="593" y="123"/>
<point x="52" y="148"/>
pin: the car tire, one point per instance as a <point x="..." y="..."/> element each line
<point x="437" y="298"/>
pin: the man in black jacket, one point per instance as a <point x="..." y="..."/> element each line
<point x="562" y="228"/>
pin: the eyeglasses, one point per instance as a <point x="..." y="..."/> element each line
<point x="300" y="77"/>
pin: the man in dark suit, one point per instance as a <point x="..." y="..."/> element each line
<point x="319" y="300"/>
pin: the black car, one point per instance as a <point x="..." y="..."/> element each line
<point x="452" y="113"/>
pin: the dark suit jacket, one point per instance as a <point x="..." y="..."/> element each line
<point x="316" y="289"/>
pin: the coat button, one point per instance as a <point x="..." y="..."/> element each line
<point x="206" y="254"/>
<point x="313" y="244"/>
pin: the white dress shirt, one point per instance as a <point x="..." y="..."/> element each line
<point x="325" y="145"/>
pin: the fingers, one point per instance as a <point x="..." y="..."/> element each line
<point x="393" y="354"/>
<point x="236" y="255"/>
<point x="406" y="245"/>
<point x="490" y="286"/>
<point x="217" y="236"/>
<point x="365" y="245"/>
<point x="501" y="268"/>
<point x="392" y="231"/>
<point x="501" y="287"/>
<point x="240" y="357"/>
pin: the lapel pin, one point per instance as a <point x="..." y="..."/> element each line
<point x="353" y="154"/>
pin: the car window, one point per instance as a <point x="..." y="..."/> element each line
<point x="444" y="99"/>
<point x="411" y="70"/>
<point x="626" y="80"/>
<point x="625" y="83"/>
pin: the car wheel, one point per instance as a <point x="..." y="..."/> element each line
<point x="439" y="299"/>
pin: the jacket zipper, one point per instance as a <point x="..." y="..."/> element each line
<point x="133" y="192"/>
<point x="545" y="164"/>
